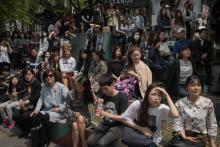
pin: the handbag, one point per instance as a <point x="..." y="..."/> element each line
<point x="177" y="141"/>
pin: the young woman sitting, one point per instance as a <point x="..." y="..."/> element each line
<point x="77" y="111"/>
<point x="49" y="109"/>
<point x="135" y="67"/>
<point x="196" y="126"/>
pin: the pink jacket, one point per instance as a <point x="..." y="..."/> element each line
<point x="145" y="76"/>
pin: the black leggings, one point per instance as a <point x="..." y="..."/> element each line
<point x="41" y="130"/>
<point x="23" y="120"/>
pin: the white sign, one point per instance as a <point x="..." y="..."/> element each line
<point x="124" y="2"/>
<point x="154" y="20"/>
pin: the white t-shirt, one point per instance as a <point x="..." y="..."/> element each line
<point x="67" y="65"/>
<point x="159" y="113"/>
<point x="164" y="49"/>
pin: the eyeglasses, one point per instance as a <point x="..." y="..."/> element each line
<point x="50" y="75"/>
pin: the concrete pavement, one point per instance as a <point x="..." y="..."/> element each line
<point x="9" y="138"/>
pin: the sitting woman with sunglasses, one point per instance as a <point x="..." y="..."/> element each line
<point x="144" y="118"/>
<point x="196" y="126"/>
<point x="49" y="109"/>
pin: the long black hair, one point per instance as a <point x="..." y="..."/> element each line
<point x="44" y="55"/>
<point x="11" y="86"/>
<point x="151" y="38"/>
<point x="158" y="37"/>
<point x="82" y="51"/>
<point x="143" y="116"/>
<point x="114" y="51"/>
<point x="161" y="14"/>
<point x="87" y="94"/>
<point x="179" y="19"/>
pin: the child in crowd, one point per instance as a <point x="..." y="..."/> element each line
<point x="6" y="107"/>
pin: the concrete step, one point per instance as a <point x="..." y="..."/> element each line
<point x="9" y="138"/>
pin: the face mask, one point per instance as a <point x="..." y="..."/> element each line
<point x="136" y="37"/>
<point x="44" y="34"/>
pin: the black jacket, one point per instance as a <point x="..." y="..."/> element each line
<point x="86" y="67"/>
<point x="201" y="49"/>
<point x="173" y="77"/>
<point x="35" y="92"/>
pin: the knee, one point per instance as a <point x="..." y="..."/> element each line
<point x="8" y="108"/>
<point x="75" y="126"/>
<point x="101" y="143"/>
<point x="1" y="109"/>
<point x="80" y="120"/>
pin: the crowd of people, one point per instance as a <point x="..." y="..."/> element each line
<point x="50" y="85"/>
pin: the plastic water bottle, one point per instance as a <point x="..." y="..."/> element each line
<point x="99" y="106"/>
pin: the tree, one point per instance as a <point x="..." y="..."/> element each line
<point x="12" y="10"/>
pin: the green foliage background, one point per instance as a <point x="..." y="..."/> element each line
<point x="26" y="10"/>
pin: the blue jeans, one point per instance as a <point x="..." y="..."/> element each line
<point x="132" y="138"/>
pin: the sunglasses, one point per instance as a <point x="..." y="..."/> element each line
<point x="50" y="75"/>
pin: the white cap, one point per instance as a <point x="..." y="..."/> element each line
<point x="202" y="27"/>
<point x="180" y="30"/>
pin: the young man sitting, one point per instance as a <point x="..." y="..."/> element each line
<point x="116" y="103"/>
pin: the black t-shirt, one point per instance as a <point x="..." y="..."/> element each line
<point x="53" y="44"/>
<point x="87" y="13"/>
<point x="115" y="67"/>
<point x="34" y="62"/>
<point x="115" y="105"/>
